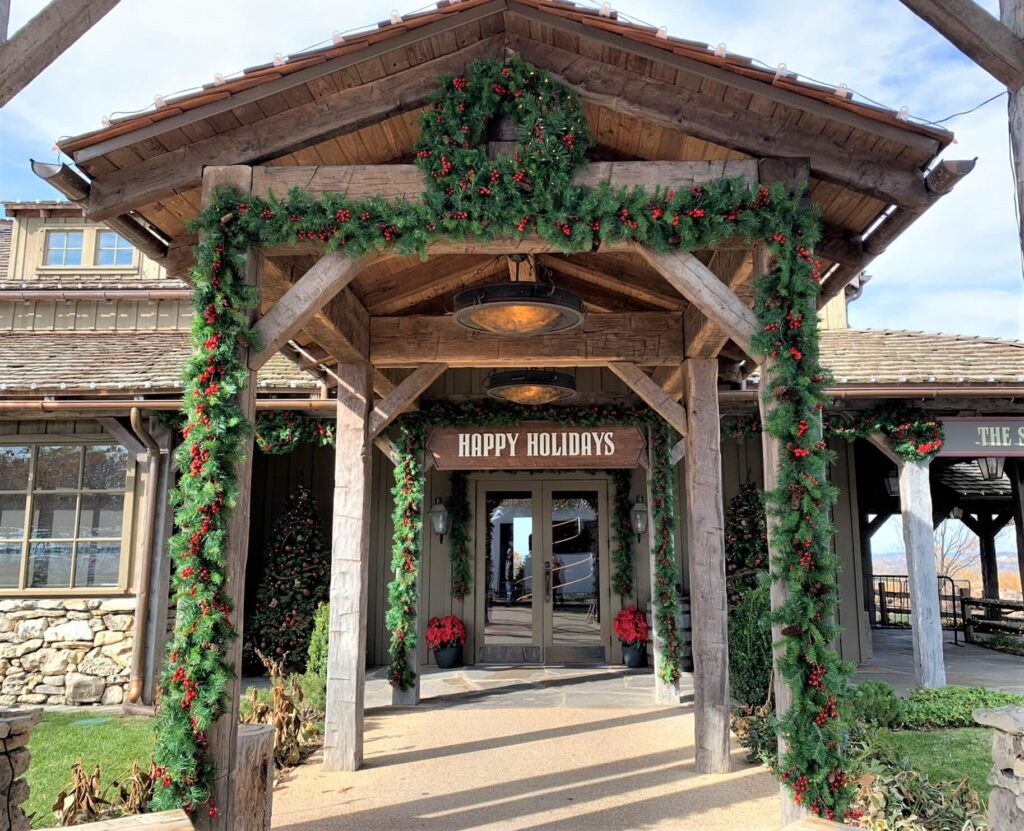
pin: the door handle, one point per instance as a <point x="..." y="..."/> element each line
<point x="547" y="580"/>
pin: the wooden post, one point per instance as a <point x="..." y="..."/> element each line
<point x="770" y="451"/>
<point x="989" y="562"/>
<point x="1015" y="472"/>
<point x="705" y="527"/>
<point x="350" y="557"/>
<point x="254" y="785"/>
<point x="883" y="604"/>
<point x="867" y="565"/>
<point x="663" y="693"/>
<point x="1011" y="13"/>
<point x="223" y="736"/>
<point x="918" y="537"/>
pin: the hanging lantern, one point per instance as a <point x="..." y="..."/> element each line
<point x="439" y="518"/>
<point x="991" y="467"/>
<point x="892" y="483"/>
<point x="638" y="518"/>
<point x="518" y="308"/>
<point x="530" y="386"/>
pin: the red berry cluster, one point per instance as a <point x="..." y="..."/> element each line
<point x="827" y="713"/>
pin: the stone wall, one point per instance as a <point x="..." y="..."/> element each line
<point x="1006" y="802"/>
<point x="75" y="651"/>
<point x="15" y="728"/>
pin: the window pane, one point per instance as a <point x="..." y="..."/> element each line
<point x="53" y="515"/>
<point x="106" y="467"/>
<point x="55" y="256"/>
<point x="98" y="564"/>
<point x="105" y="256"/>
<point x="14" y="462"/>
<point x="101" y="515"/>
<point x="108" y="239"/>
<point x="57" y="467"/>
<point x="12" y="516"/>
<point x="124" y="256"/>
<point x="58" y="239"/>
<point x="73" y="256"/>
<point x="10" y="565"/>
<point x="49" y="565"/>
<point x="74" y="239"/>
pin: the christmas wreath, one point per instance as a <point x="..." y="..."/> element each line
<point x="468" y="196"/>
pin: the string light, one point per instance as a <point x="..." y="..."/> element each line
<point x="720" y="51"/>
<point x="278" y="59"/>
<point x="903" y="114"/>
<point x="337" y="37"/>
<point x="843" y="91"/>
<point x="158" y="101"/>
<point x="606" y="10"/>
<point x="218" y="80"/>
<point x="662" y="33"/>
<point x="781" y="71"/>
<point x="105" y="121"/>
<point x="396" y="18"/>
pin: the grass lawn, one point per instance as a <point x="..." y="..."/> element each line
<point x="948" y="754"/>
<point x="106" y="739"/>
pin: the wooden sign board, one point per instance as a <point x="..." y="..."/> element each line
<point x="984" y="436"/>
<point x="535" y="445"/>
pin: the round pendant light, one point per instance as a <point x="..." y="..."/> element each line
<point x="518" y="308"/>
<point x="530" y="386"/>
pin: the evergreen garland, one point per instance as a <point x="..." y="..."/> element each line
<point x="746" y="542"/>
<point x="915" y="435"/>
<point x="468" y="196"/>
<point x="294" y="582"/>
<point x="622" y="534"/>
<point x="281" y="431"/>
<point x="459" y="515"/>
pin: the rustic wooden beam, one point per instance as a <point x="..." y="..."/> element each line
<point x="733" y="125"/>
<point x="655" y="397"/>
<point x="704" y="338"/>
<point x="336" y="114"/>
<point x="388" y="448"/>
<point x="678" y="452"/>
<point x="698" y="284"/>
<point x="643" y="338"/>
<point x="350" y="565"/>
<point x="404" y="394"/>
<point x="524" y="271"/>
<point x="410" y="292"/>
<point x="980" y="36"/>
<point x="303" y="299"/>
<point x="706" y="547"/>
<point x="592" y="270"/>
<point x="45" y="38"/>
<point x="223" y="736"/>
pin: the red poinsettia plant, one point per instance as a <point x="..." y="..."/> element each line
<point x="445" y="631"/>
<point x="631" y="626"/>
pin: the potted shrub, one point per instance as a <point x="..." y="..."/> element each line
<point x="632" y="631"/>
<point x="446" y="636"/>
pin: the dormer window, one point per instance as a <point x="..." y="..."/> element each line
<point x="64" y="248"/>
<point x="113" y="250"/>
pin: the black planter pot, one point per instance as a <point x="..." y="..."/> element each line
<point x="448" y="657"/>
<point x="634" y="657"/>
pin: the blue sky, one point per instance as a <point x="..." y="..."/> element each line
<point x="958" y="269"/>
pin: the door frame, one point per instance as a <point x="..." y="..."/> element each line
<point x="540" y="484"/>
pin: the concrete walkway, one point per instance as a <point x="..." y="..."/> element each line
<point x="517" y="748"/>
<point x="966" y="665"/>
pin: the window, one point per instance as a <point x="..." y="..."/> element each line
<point x="113" y="250"/>
<point x="61" y="515"/>
<point x="64" y="248"/>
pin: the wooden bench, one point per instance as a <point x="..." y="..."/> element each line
<point x="176" y="820"/>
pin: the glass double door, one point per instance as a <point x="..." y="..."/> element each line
<point x="545" y="567"/>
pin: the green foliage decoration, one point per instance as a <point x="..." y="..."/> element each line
<point x="875" y="704"/>
<point x="281" y="431"/>
<point x="622" y="534"/>
<point x="746" y="542"/>
<point x="750" y="648"/>
<point x="458" y="541"/>
<point x="467" y="196"/>
<point x="316" y="655"/>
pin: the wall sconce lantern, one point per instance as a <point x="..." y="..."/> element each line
<point x="638" y="518"/>
<point x="991" y="467"/>
<point x="439" y="518"/>
<point x="892" y="483"/>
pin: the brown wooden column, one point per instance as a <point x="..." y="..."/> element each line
<point x="705" y="528"/>
<point x="350" y="557"/>
<point x="1015" y="471"/>
<point x="223" y="736"/>
<point x="989" y="561"/>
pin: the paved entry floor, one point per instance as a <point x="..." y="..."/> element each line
<point x="514" y="748"/>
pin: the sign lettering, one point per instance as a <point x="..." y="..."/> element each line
<point x="985" y="436"/>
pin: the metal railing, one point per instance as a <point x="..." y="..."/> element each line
<point x="893" y="604"/>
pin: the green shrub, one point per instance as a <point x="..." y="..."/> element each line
<point x="875" y="704"/>
<point x="953" y="706"/>
<point x="316" y="660"/>
<point x="756" y="731"/>
<point x="750" y="648"/>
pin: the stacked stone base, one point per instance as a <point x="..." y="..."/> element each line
<point x="15" y="729"/>
<point x="75" y="651"/>
<point x="1006" y="802"/>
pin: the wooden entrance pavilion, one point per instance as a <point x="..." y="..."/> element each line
<point x="670" y="327"/>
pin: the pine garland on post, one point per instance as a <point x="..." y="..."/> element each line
<point x="295" y="581"/>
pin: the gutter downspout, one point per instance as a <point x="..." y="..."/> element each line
<point x="146" y="552"/>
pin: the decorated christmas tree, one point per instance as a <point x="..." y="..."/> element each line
<point x="294" y="582"/>
<point x="746" y="541"/>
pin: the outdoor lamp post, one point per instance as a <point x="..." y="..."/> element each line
<point x="439" y="518"/>
<point x="991" y="467"/>
<point x="892" y="483"/>
<point x="638" y="517"/>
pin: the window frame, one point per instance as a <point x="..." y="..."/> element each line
<point x="24" y="589"/>
<point x="66" y="231"/>
<point x="98" y="248"/>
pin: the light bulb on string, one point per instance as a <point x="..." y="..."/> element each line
<point x="336" y="37"/>
<point x="279" y="59"/>
<point x="662" y="33"/>
<point x="606" y="10"/>
<point x="720" y="51"/>
<point x="218" y="80"/>
<point x="396" y="18"/>
<point x="781" y="71"/>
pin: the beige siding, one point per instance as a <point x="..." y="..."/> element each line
<point x="95" y="315"/>
<point x="833" y="314"/>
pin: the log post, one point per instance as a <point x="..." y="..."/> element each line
<point x="918" y="537"/>
<point x="664" y="693"/>
<point x="223" y="736"/>
<point x="989" y="561"/>
<point x="867" y="565"/>
<point x="770" y="451"/>
<point x="350" y="557"/>
<point x="254" y="785"/>
<point x="705" y="527"/>
<point x="1015" y="472"/>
